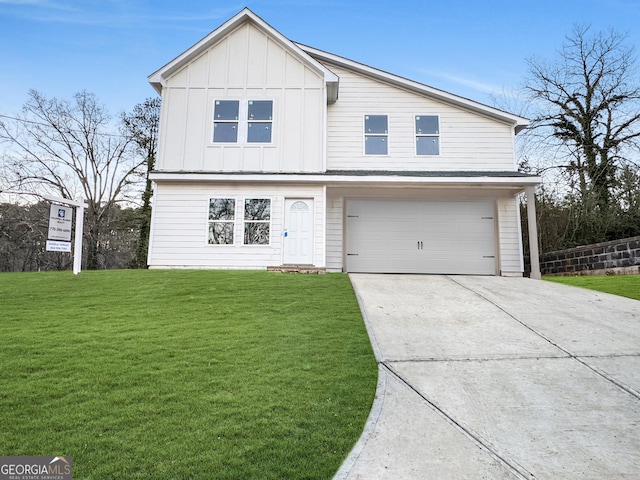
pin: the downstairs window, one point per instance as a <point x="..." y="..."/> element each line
<point x="257" y="221"/>
<point x="222" y="212"/>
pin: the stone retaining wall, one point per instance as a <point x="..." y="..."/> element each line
<point x="618" y="257"/>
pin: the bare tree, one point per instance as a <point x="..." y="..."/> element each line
<point x="588" y="101"/>
<point x="67" y="148"/>
<point x="23" y="233"/>
<point x="142" y="125"/>
<point x="23" y="237"/>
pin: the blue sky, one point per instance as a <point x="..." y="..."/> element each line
<point x="109" y="47"/>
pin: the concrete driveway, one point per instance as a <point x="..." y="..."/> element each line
<point x="499" y="378"/>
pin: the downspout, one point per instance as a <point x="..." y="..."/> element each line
<point x="324" y="227"/>
<point x="325" y="126"/>
<point x="152" y="224"/>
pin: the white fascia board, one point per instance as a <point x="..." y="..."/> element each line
<point x="157" y="79"/>
<point x="516" y="121"/>
<point x="382" y="180"/>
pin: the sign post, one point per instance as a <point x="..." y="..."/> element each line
<point x="77" y="249"/>
<point x="59" y="237"/>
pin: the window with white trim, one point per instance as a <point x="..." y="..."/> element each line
<point x="222" y="214"/>
<point x="427" y="135"/>
<point x="225" y="123"/>
<point x="376" y="135"/>
<point x="257" y="221"/>
<point x="248" y="121"/>
<point x="260" y="119"/>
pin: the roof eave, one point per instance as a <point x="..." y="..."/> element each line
<point x="459" y="179"/>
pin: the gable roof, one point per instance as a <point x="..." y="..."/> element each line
<point x="516" y="121"/>
<point x="316" y="59"/>
<point x="159" y="77"/>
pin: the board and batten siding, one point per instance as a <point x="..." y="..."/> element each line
<point x="510" y="237"/>
<point x="468" y="140"/>
<point x="180" y="226"/>
<point x="247" y="64"/>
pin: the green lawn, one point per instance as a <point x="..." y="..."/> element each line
<point x="154" y="374"/>
<point x="623" y="285"/>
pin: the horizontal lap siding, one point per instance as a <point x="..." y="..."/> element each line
<point x="335" y="208"/>
<point x="468" y="141"/>
<point x="510" y="235"/>
<point x="179" y="233"/>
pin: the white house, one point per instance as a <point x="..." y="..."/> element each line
<point x="274" y="153"/>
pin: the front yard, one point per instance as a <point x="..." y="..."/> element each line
<point x="184" y="374"/>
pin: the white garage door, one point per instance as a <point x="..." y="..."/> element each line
<point x="420" y="237"/>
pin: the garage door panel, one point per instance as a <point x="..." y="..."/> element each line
<point x="382" y="264"/>
<point x="420" y="237"/>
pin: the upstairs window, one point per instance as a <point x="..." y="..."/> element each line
<point x="427" y="135"/>
<point x="257" y="221"/>
<point x="225" y="123"/>
<point x="236" y="121"/>
<point x="259" y="117"/>
<point x="376" y="133"/>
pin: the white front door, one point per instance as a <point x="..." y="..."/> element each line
<point x="298" y="231"/>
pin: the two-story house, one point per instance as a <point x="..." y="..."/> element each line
<point x="274" y="153"/>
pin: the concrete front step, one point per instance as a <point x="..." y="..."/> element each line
<point x="297" y="269"/>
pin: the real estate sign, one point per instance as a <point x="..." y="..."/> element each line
<point x="59" y="236"/>
<point x="58" y="246"/>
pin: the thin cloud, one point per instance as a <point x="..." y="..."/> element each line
<point x="467" y="82"/>
<point x="39" y="10"/>
<point x="113" y="14"/>
<point x="38" y="4"/>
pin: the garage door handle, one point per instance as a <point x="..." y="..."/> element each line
<point x="420" y="246"/>
<point x="488" y="256"/>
